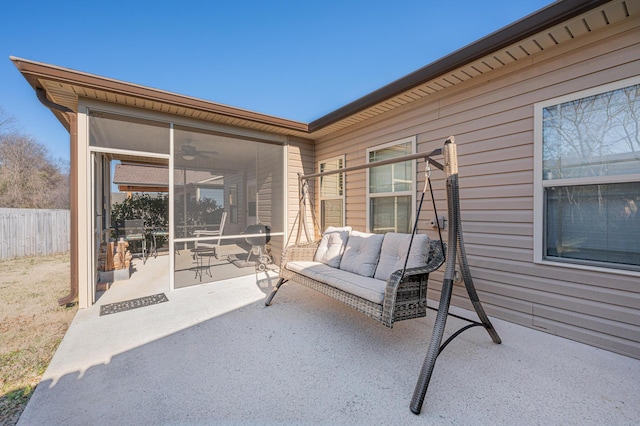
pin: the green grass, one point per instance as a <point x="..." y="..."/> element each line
<point x="32" y="326"/>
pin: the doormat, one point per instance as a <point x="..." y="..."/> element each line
<point x="127" y="305"/>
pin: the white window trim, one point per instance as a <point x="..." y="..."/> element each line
<point x="412" y="191"/>
<point x="539" y="184"/>
<point x="332" y="197"/>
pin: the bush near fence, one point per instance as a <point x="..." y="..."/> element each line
<point x="33" y="232"/>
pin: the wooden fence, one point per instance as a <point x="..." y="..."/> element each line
<point x="33" y="232"/>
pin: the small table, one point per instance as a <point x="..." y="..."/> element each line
<point x="200" y="254"/>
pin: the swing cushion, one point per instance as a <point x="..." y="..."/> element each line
<point x="332" y="246"/>
<point x="365" y="287"/>
<point x="361" y="254"/>
<point x="394" y="251"/>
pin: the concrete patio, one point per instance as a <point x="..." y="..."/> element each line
<point x="213" y="354"/>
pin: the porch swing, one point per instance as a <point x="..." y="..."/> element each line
<point x="405" y="291"/>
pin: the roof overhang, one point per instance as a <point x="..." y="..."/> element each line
<point x="545" y="29"/>
<point x="64" y="86"/>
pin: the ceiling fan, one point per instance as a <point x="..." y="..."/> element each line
<point x="190" y="152"/>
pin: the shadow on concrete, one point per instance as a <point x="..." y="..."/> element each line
<point x="214" y="354"/>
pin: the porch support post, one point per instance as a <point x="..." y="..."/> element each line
<point x="73" y="199"/>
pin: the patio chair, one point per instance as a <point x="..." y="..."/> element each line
<point x="160" y="232"/>
<point x="212" y="244"/>
<point x="134" y="231"/>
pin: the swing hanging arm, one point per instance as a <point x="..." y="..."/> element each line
<point x="304" y="189"/>
<point x="394" y="160"/>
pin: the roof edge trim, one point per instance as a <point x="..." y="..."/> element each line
<point x="70" y="76"/>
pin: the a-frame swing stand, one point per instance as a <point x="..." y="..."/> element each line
<point x="454" y="250"/>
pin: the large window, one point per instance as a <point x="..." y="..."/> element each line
<point x="390" y="188"/>
<point x="588" y="178"/>
<point x="331" y="193"/>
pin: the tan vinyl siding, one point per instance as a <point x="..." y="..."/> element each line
<point x="492" y="118"/>
<point x="300" y="159"/>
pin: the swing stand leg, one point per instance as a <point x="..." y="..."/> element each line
<point x="455" y="247"/>
<point x="274" y="291"/>
<point x="477" y="306"/>
<point x="434" y="348"/>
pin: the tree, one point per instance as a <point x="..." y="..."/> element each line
<point x="153" y="210"/>
<point x="6" y="121"/>
<point x="29" y="178"/>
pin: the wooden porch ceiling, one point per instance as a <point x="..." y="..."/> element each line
<point x="546" y="29"/>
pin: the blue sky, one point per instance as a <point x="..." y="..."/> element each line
<point x="293" y="59"/>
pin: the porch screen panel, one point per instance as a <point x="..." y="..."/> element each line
<point x="270" y="184"/>
<point x="108" y="130"/>
<point x="222" y="181"/>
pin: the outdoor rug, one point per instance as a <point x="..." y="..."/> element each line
<point x="127" y="305"/>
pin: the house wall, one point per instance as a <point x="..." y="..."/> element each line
<point x="300" y="159"/>
<point x="492" y="118"/>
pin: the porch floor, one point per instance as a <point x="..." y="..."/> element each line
<point x="214" y="354"/>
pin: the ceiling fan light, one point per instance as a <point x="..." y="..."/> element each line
<point x="188" y="157"/>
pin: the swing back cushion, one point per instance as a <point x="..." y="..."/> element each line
<point x="361" y="253"/>
<point x="332" y="246"/>
<point x="394" y="251"/>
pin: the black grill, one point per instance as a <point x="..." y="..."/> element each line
<point x="258" y="228"/>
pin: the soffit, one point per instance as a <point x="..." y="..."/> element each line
<point x="65" y="86"/>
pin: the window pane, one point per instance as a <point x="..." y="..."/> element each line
<point x="331" y="185"/>
<point x="331" y="213"/>
<point x="392" y="177"/>
<point x="390" y="214"/>
<point x="594" y="223"/>
<point x="593" y="136"/>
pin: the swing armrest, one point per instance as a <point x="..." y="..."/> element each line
<point x="299" y="252"/>
<point x="436" y="259"/>
<point x="412" y="287"/>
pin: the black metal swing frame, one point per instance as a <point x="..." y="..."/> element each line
<point x="454" y="250"/>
